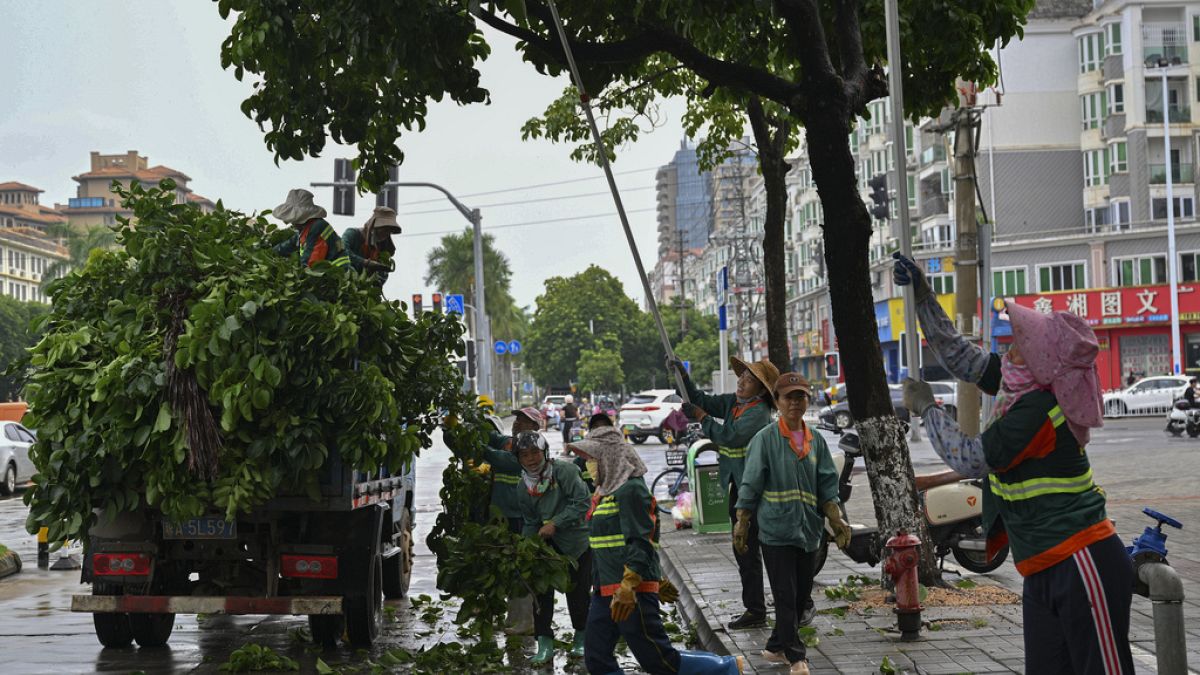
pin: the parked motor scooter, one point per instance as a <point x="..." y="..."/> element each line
<point x="953" y="513"/>
<point x="1183" y="417"/>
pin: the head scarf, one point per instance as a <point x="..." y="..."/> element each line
<point x="1015" y="382"/>
<point x="617" y="460"/>
<point x="538" y="481"/>
<point x="298" y="208"/>
<point x="1060" y="352"/>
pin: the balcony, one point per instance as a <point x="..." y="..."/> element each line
<point x="1180" y="173"/>
<point x="933" y="205"/>
<point x="1174" y="54"/>
<point x="1164" y="40"/>
<point x="1180" y="114"/>
<point x="934" y="153"/>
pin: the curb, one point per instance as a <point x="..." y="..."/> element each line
<point x="10" y="563"/>
<point x="690" y="609"/>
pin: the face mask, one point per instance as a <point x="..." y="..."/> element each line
<point x="593" y="468"/>
<point x="1014" y="377"/>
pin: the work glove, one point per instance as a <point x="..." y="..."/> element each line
<point x="624" y="599"/>
<point x="741" y="531"/>
<point x="841" y="531"/>
<point x="918" y="396"/>
<point x="676" y="365"/>
<point x="905" y="272"/>
<point x="376" y="266"/>
<point x="482" y="468"/>
<point x="693" y="411"/>
<point x="667" y="591"/>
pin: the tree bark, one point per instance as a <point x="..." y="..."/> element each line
<point x="770" y="135"/>
<point x="847" y="230"/>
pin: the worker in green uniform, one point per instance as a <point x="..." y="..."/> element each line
<point x="553" y="502"/>
<point x="789" y="486"/>
<point x="313" y="238"/>
<point x="730" y="421"/>
<point x="626" y="577"/>
<point x="371" y="247"/>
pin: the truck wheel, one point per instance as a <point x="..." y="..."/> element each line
<point x="326" y="629"/>
<point x="364" y="612"/>
<point x="151" y="630"/>
<point x="397" y="570"/>
<point x="111" y="629"/>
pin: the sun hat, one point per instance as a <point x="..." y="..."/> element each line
<point x="764" y="371"/>
<point x="298" y="208"/>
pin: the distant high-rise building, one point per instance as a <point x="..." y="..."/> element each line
<point x="95" y="204"/>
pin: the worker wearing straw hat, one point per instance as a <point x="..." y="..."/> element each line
<point x="742" y="414"/>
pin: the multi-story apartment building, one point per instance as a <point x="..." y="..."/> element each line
<point x="27" y="253"/>
<point x="95" y="204"/>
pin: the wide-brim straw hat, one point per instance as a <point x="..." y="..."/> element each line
<point x="764" y="371"/>
<point x="383" y="219"/>
<point x="298" y="208"/>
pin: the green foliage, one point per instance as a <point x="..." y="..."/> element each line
<point x="446" y="657"/>
<point x="255" y="658"/>
<point x="600" y="370"/>
<point x="80" y="244"/>
<point x="194" y="369"/>
<point x="19" y="330"/>
<point x="451" y="268"/>
<point x="965" y="584"/>
<point x="886" y="667"/>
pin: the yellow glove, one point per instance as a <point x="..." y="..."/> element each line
<point x="624" y="599"/>
<point x="667" y="591"/>
<point x="741" y="531"/>
<point x="841" y="531"/>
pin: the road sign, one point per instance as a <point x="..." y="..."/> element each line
<point x="501" y="347"/>
<point x="687" y="366"/>
<point x="514" y="347"/>
<point x="388" y="196"/>
<point x="528" y="387"/>
<point x="454" y="304"/>
<point x="722" y="285"/>
<point x="343" y="196"/>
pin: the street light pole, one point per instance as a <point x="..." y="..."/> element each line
<point x="1176" y="361"/>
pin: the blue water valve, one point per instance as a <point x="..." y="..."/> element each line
<point x="1153" y="543"/>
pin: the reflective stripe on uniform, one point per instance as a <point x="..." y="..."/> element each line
<point x="779" y="496"/>
<point x="507" y="478"/>
<point x="607" y="541"/>
<point x="606" y="510"/>
<point x="1037" y="487"/>
<point x="733" y="453"/>
<point x="341" y="262"/>
<point x="1056" y="416"/>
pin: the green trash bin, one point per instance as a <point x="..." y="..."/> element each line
<point x="710" y="499"/>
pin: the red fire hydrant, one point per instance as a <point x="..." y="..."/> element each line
<point x="901" y="566"/>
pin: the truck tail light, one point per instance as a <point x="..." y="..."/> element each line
<point x="121" y="564"/>
<point x="309" y="566"/>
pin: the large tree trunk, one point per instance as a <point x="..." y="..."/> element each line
<point x="847" y="230"/>
<point x="770" y="135"/>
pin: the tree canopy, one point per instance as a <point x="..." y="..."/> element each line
<point x="451" y="269"/>
<point x="17" y="333"/>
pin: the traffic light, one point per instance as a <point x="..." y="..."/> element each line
<point x="417" y="305"/>
<point x="470" y="358"/>
<point x="437" y="303"/>
<point x="879" y="195"/>
<point x="833" y="366"/>
<point x="343" y="195"/>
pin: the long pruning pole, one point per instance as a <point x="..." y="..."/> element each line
<point x="586" y="101"/>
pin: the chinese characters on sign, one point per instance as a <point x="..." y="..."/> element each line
<point x="1116" y="307"/>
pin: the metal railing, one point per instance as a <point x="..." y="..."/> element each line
<point x="1178" y="114"/>
<point x="1174" y="54"/>
<point x="1180" y="173"/>
<point x="934" y="153"/>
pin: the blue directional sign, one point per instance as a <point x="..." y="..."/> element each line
<point x="454" y="304"/>
<point x="528" y="387"/>
<point x="501" y="347"/>
<point x="687" y="365"/>
<point x="514" y="347"/>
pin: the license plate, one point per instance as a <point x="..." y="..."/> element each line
<point x="200" y="528"/>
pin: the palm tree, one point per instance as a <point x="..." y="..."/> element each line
<point x="452" y="270"/>
<point x="79" y="244"/>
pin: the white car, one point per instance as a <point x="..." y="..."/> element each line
<point x="15" y="467"/>
<point x="643" y="414"/>
<point x="946" y="394"/>
<point x="1147" y="396"/>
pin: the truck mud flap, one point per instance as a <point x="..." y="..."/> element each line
<point x="186" y="604"/>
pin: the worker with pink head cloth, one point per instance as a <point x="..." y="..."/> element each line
<point x="1041" y="497"/>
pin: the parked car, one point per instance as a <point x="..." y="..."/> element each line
<point x="1147" y="396"/>
<point x="643" y="414"/>
<point x="838" y="417"/>
<point x="946" y="393"/>
<point x="15" y="467"/>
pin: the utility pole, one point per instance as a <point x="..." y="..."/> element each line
<point x="966" y="251"/>
<point x="679" y="290"/>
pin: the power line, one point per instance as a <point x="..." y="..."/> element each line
<point x="524" y="201"/>
<point x="527" y="224"/>
<point x="530" y="187"/>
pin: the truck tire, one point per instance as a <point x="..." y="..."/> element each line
<point x="364" y="610"/>
<point x="397" y="569"/>
<point x="151" y="630"/>
<point x="326" y="629"/>
<point x="112" y="630"/>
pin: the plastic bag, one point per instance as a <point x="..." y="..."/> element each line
<point x="683" y="510"/>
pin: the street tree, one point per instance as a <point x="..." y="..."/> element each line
<point x="79" y="244"/>
<point x="18" y="332"/>
<point x="600" y="370"/>
<point x="451" y="269"/>
<point x="364" y="73"/>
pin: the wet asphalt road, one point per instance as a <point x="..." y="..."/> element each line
<point x="38" y="634"/>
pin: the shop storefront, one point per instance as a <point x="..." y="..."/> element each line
<point x="1132" y="325"/>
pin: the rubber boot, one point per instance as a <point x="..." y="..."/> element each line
<point x="705" y="663"/>
<point x="545" y="652"/>
<point x="577" y="648"/>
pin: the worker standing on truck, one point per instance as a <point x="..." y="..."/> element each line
<point x="553" y="502"/>
<point x="367" y="244"/>
<point x="626" y="577"/>
<point x="742" y="413"/>
<point x="313" y="237"/>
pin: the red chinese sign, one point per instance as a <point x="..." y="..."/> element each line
<point x="1116" y="307"/>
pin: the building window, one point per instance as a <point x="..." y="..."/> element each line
<point x="1095" y="168"/>
<point x="1112" y="39"/>
<point x="1140" y="271"/>
<point x="1066" y="277"/>
<point x="1184" y="208"/>
<point x="1008" y="282"/>
<point x="1196" y="28"/>
<point x="1091" y="50"/>
<point x="1096" y="220"/>
<point x="1117" y="157"/>
<point x="1092" y="109"/>
<point x="1116" y="99"/>
<point x="941" y="283"/>
<point x="1119" y="214"/>
<point x="1191" y="265"/>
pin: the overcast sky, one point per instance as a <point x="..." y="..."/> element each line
<point x="145" y="75"/>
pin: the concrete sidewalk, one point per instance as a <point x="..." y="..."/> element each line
<point x="986" y="639"/>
